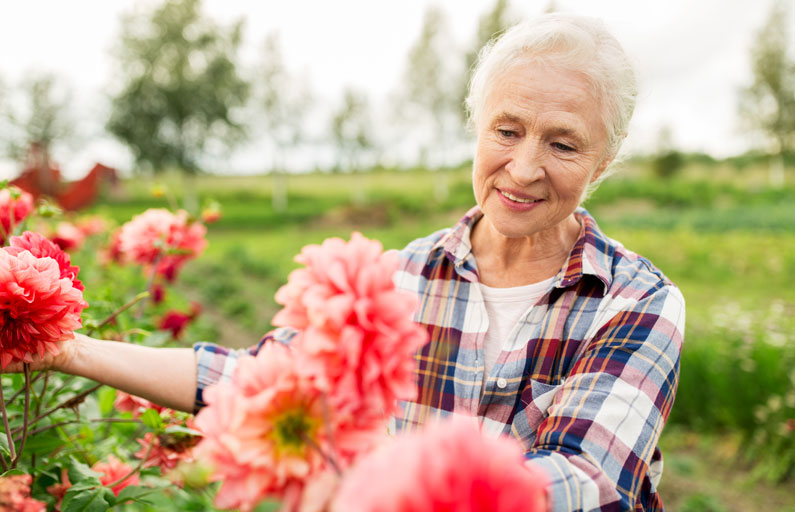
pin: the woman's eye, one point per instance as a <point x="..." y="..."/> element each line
<point x="562" y="147"/>
<point x="506" y="133"/>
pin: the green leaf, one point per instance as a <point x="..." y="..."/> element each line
<point x="135" y="493"/>
<point x="12" y="472"/>
<point x="151" y="418"/>
<point x="106" y="396"/>
<point x="86" y="499"/>
<point x="43" y="443"/>
<point x="80" y="473"/>
<point x="179" y="429"/>
<point x="4" y="444"/>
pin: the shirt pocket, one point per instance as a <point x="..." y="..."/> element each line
<point x="534" y="405"/>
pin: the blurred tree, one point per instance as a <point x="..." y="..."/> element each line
<point x="285" y="102"/>
<point x="350" y="129"/>
<point x="768" y="104"/>
<point x="429" y="100"/>
<point x="180" y="86"/>
<point x="39" y="122"/>
<point x="491" y="24"/>
<point x="668" y="161"/>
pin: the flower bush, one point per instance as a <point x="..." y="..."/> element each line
<point x="295" y="424"/>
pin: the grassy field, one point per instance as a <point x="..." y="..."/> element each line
<point x="726" y="239"/>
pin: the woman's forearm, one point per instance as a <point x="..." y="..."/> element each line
<point x="165" y="376"/>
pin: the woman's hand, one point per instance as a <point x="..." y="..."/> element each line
<point x="60" y="362"/>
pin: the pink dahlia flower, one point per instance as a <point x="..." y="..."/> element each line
<point x="40" y="247"/>
<point x="357" y="336"/>
<point x="447" y="467"/>
<point x="263" y="432"/>
<point x="15" y="205"/>
<point x="39" y="307"/>
<point x="113" y="471"/>
<point x="68" y="237"/>
<point x="159" y="237"/>
<point x="15" y="495"/>
<point x="126" y="402"/>
<point x="166" y="450"/>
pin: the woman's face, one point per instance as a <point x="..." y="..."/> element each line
<point x="540" y="141"/>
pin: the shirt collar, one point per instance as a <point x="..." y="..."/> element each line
<point x="592" y="253"/>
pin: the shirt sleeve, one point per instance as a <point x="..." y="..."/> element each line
<point x="598" y="442"/>
<point x="215" y="363"/>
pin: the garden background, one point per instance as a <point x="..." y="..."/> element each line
<point x="721" y="227"/>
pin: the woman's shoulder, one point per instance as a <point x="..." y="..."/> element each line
<point x="636" y="275"/>
<point x="420" y="249"/>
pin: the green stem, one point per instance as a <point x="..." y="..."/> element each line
<point x="75" y="400"/>
<point x="135" y="470"/>
<point x="20" y="391"/>
<point x="25" y="417"/>
<point x="149" y="284"/>
<point x="73" y="422"/>
<point x="141" y="296"/>
<point x="9" y="435"/>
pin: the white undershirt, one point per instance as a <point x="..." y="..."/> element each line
<point x="504" y="307"/>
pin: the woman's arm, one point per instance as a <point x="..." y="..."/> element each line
<point x="599" y="441"/>
<point x="165" y="376"/>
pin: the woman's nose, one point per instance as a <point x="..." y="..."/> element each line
<point x="527" y="164"/>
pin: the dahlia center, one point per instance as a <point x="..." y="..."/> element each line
<point x="293" y="430"/>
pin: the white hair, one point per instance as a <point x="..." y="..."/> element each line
<point x="576" y="42"/>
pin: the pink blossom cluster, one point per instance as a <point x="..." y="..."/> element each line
<point x="15" y="495"/>
<point x="292" y="415"/>
<point x="357" y="336"/>
<point x="449" y="466"/>
<point x="40" y="298"/>
<point x="297" y="423"/>
<point x="163" y="450"/>
<point x="263" y="430"/>
<point x="15" y="206"/>
<point x="113" y="471"/>
<point x="161" y="239"/>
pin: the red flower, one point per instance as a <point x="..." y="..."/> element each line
<point x="158" y="293"/>
<point x="15" y="205"/>
<point x="68" y="236"/>
<point x="58" y="491"/>
<point x="40" y="305"/>
<point x="166" y="450"/>
<point x="160" y="237"/>
<point x="40" y="247"/>
<point x="115" y="470"/>
<point x="447" y="467"/>
<point x="126" y="402"/>
<point x="15" y="495"/>
<point x="176" y="321"/>
<point x="210" y="215"/>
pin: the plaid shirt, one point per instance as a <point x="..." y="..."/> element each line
<point x="585" y="381"/>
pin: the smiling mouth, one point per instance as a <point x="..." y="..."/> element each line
<point x="518" y="199"/>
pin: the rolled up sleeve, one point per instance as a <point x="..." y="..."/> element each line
<point x="215" y="363"/>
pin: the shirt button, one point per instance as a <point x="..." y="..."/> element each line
<point x="502" y="383"/>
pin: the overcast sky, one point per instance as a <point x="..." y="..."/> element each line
<point x="692" y="56"/>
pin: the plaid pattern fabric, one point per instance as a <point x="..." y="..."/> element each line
<point x="585" y="380"/>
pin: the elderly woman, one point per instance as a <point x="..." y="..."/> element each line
<point x="539" y="324"/>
